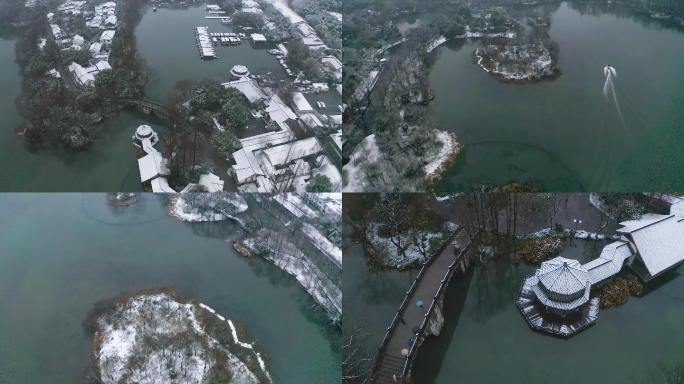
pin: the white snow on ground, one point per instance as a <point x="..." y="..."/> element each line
<point x="329" y="170"/>
<point x="237" y="341"/>
<point x="157" y="316"/>
<point x="436" y="43"/>
<point x="295" y="205"/>
<point x="412" y="250"/>
<point x="578" y="234"/>
<point x="185" y="212"/>
<point x="366" y="152"/>
<point x="290" y="259"/>
<point x="448" y="146"/>
<point x="282" y="7"/>
<point x="323" y="244"/>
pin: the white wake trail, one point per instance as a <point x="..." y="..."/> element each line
<point x="609" y="87"/>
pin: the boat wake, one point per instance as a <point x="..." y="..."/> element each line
<point x="609" y="89"/>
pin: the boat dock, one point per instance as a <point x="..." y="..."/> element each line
<point x="204" y="43"/>
<point x="227" y="38"/>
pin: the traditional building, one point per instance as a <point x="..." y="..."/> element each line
<point x="657" y="242"/>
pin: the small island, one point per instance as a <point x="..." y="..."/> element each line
<point x="158" y="335"/>
<point x="524" y="63"/>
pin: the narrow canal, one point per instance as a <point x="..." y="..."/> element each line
<point x="62" y="253"/>
<point x="562" y="134"/>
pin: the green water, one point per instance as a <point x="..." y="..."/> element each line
<point x="486" y="340"/>
<point x="61" y="253"/>
<point x="562" y="134"/>
<point x="167" y="41"/>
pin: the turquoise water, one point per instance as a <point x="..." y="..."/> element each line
<point x="562" y="134"/>
<point x="62" y="253"/>
<point x="109" y="165"/>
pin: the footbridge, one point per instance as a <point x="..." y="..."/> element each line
<point x="148" y="107"/>
<point x="420" y="314"/>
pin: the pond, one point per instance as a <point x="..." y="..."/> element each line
<point x="62" y="253"/>
<point x="562" y="134"/>
<point x="486" y="340"/>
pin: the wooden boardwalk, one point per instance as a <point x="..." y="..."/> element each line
<point x="411" y="320"/>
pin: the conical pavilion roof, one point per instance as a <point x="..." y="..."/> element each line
<point x="563" y="276"/>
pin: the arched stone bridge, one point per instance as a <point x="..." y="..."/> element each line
<point x="148" y="107"/>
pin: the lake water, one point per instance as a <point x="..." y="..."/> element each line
<point x="562" y="134"/>
<point x="62" y="253"/>
<point x="486" y="340"/>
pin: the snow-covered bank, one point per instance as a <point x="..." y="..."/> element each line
<point x="407" y="249"/>
<point x="203" y="207"/>
<point x="323" y="244"/>
<point x="436" y="43"/>
<point x="157" y="337"/>
<point x="285" y="255"/>
<point x="443" y="159"/>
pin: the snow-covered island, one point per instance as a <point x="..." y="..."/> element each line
<point x="517" y="63"/>
<point x="158" y="336"/>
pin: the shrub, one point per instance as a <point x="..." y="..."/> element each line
<point x="536" y="250"/>
<point x="618" y="291"/>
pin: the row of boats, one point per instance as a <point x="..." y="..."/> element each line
<point x="227" y="38"/>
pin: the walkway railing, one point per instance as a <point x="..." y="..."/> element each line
<point x="435" y="300"/>
<point x="381" y="356"/>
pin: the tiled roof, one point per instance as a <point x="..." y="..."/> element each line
<point x="659" y="242"/>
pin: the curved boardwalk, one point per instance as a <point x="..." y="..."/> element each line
<point x="411" y="321"/>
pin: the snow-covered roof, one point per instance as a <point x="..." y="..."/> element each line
<point x="659" y="241"/>
<point x="563" y="276"/>
<point x="107" y="36"/>
<point x="285" y="153"/>
<point x="95" y="47"/>
<point x="249" y="88"/>
<point x="562" y="284"/>
<point x="609" y="262"/>
<point x="211" y="182"/>
<point x="258" y="38"/>
<point x="311" y="120"/>
<point x="81" y="75"/>
<point x="278" y="111"/>
<point x="102" y="65"/>
<point x="151" y="166"/>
